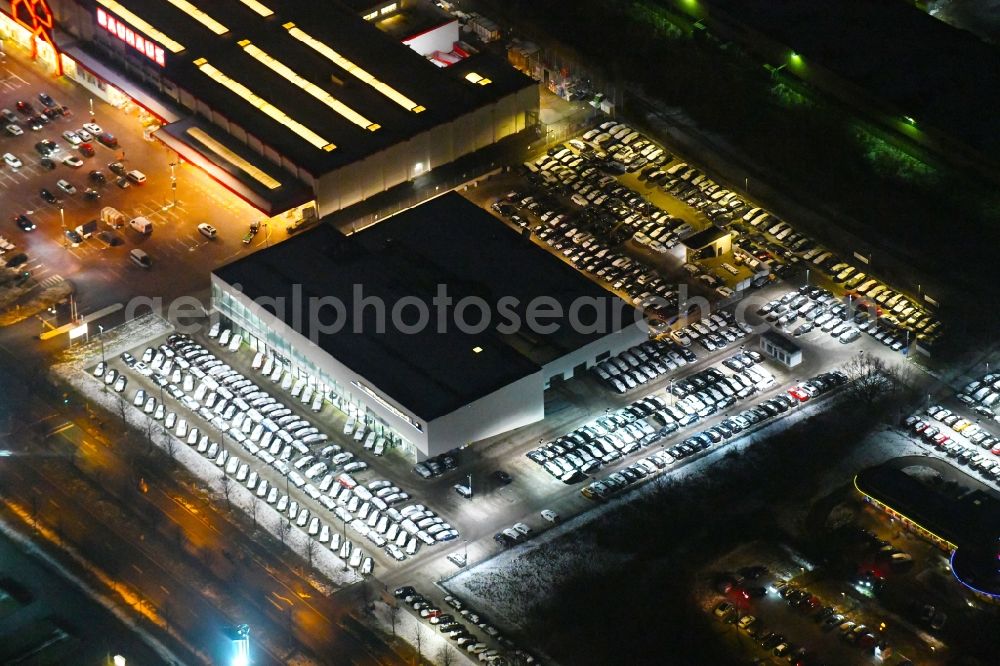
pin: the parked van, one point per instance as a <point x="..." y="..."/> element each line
<point x="140" y="258"/>
<point x="136" y="176"/>
<point x="142" y="224"/>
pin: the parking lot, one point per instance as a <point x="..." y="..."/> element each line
<point x="619" y="207"/>
<point x="101" y="271"/>
<point x="271" y="432"/>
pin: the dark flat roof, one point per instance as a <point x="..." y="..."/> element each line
<point x="447" y="241"/>
<point x="781" y="342"/>
<point x="443" y="92"/>
<point x="704" y="237"/>
<point x="968" y="516"/>
<point x="937" y="74"/>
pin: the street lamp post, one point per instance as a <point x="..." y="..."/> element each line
<point x="344" y="527"/>
<point x="173" y="182"/>
<point x="100" y="330"/>
<point x="470" y="485"/>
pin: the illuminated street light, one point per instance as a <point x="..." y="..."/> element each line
<point x="795" y="58"/>
<point x="118" y="660"/>
<point x="241" y="645"/>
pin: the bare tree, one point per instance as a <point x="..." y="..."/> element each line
<point x="367" y="597"/>
<point x="310" y="550"/>
<point x="445" y="656"/>
<point x="283" y="528"/>
<point x="393" y="617"/>
<point x="169" y="444"/>
<point x="122" y="408"/>
<point x="418" y="638"/>
<point x="254" y="508"/>
<point x="227" y="489"/>
<point x="869" y="378"/>
<point x="148" y="431"/>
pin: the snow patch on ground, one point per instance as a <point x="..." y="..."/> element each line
<point x="116" y="340"/>
<point x="432" y="642"/>
<point x="523" y="576"/>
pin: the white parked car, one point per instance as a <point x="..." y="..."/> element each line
<point x="12" y="161"/>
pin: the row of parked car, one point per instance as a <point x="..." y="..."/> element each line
<point x="887" y="315"/>
<point x="812" y="308"/>
<point x="272" y="432"/>
<point x="685" y="412"/>
<point x="982" y="395"/>
<point x="604" y="440"/>
<point x="459" y="623"/>
<point x="713" y="332"/>
<point x="612" y="214"/>
<point x="589" y="239"/>
<point x="691" y="186"/>
<point x="642" y="363"/>
<point x="644" y="422"/>
<point x="958" y="438"/>
<point x="809" y="605"/>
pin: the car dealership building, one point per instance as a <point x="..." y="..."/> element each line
<point x="441" y="379"/>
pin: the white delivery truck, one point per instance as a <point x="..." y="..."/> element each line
<point x="142" y="224"/>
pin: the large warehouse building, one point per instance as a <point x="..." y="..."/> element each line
<point x="432" y="385"/>
<point x="295" y="106"/>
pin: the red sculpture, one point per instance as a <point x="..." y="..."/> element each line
<point x="36" y="16"/>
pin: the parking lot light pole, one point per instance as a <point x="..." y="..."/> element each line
<point x="344" y="526"/>
<point x="173" y="182"/>
<point x="470" y="485"/>
<point x="100" y="333"/>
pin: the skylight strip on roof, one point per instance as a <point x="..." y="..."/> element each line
<point x="199" y="16"/>
<point x="265" y="107"/>
<point x="292" y="76"/>
<point x="250" y="169"/>
<point x="144" y="26"/>
<point x="353" y="69"/>
<point x="258" y="7"/>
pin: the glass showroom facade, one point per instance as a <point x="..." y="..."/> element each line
<point x="261" y="337"/>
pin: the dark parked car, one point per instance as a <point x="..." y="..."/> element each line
<point x="17" y="260"/>
<point x="48" y="196"/>
<point x="74" y="237"/>
<point x="24" y="222"/>
<point x="501" y="476"/>
<point x="97" y="177"/>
